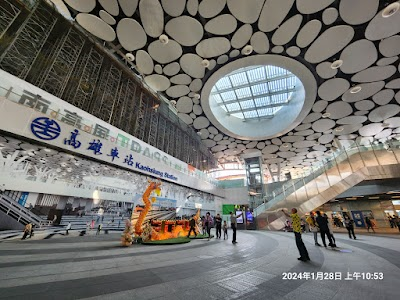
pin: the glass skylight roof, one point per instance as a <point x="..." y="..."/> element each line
<point x="255" y="92"/>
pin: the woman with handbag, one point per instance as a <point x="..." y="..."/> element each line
<point x="313" y="227"/>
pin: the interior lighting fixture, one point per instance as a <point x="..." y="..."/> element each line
<point x="337" y="64"/>
<point x="339" y="129"/>
<point x="164" y="39"/>
<point x="326" y="115"/>
<point x="247" y="50"/>
<point x="390" y="10"/>
<point x="130" y="56"/>
<point x="355" y="89"/>
<point x="205" y="63"/>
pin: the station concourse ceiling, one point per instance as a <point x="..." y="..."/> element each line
<point x="350" y="47"/>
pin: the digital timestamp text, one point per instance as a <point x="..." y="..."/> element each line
<point x="332" y="276"/>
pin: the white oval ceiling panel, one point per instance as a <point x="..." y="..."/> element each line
<point x="96" y="26"/>
<point x="212" y="130"/>
<point x="276" y="141"/>
<point x="210" y="143"/>
<point x="212" y="47"/>
<point x="367" y="90"/>
<point x="303" y="144"/>
<point x="158" y="69"/>
<point x="313" y="136"/>
<point x="352" y="120"/>
<point x="82" y="6"/>
<point x="330" y="15"/>
<point x="204" y="133"/>
<point x="128" y="6"/>
<point x="393" y="122"/>
<point x="382" y="113"/>
<point x="357" y="12"/>
<point x="308" y="33"/>
<point x="242" y="36"/>
<point x="186" y="30"/>
<point x="292" y="139"/>
<point x="181" y="79"/>
<point x="312" y="117"/>
<point x="394" y="84"/>
<point x="165" y="53"/>
<point x="303" y="127"/>
<point x="222" y="59"/>
<point x="390" y="46"/>
<point x="325" y="71"/>
<point x="260" y="145"/>
<point x="383" y="134"/>
<point x="191" y="65"/>
<point x="192" y="7"/>
<point x="361" y="112"/>
<point x="304" y="132"/>
<point x="269" y="149"/>
<point x="382" y="27"/>
<point x="273" y="13"/>
<point x="246" y="11"/>
<point x="221" y="25"/>
<point x="131" y="34"/>
<point x="347" y="129"/>
<point x="201" y="122"/>
<point x="144" y="63"/>
<point x="286" y="154"/>
<point x="364" y="105"/>
<point x="157" y="82"/>
<point x="234" y="53"/>
<point x="211" y="8"/>
<point x="339" y="109"/>
<point x="326" y="138"/>
<point x="287" y="30"/>
<point x="383" y="97"/>
<point x="333" y="88"/>
<point x="323" y="125"/>
<point x="277" y="49"/>
<point x="384" y="61"/>
<point x="196" y="85"/>
<point x="319" y="106"/>
<point x="197" y="109"/>
<point x="251" y="144"/>
<point x="111" y="6"/>
<point x="184" y="105"/>
<point x="241" y="147"/>
<point x="293" y="51"/>
<point x="106" y="17"/>
<point x="353" y="62"/>
<point x="310" y="6"/>
<point x="178" y="91"/>
<point x="174" y="8"/>
<point x="218" y="138"/>
<point x="172" y="69"/>
<point x="374" y="74"/>
<point x="187" y="119"/>
<point x="329" y="43"/>
<point x="152" y="17"/>
<point x="232" y="146"/>
<point x="371" y="129"/>
<point x="260" y="42"/>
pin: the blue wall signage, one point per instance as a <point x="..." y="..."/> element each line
<point x="45" y="128"/>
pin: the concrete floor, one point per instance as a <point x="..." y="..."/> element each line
<point x="97" y="267"/>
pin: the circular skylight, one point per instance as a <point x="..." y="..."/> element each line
<point x="254" y="92"/>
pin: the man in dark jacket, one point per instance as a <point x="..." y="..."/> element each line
<point x="324" y="229"/>
<point x="218" y="225"/>
<point x="192" y="224"/>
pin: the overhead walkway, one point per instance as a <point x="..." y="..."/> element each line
<point x="324" y="182"/>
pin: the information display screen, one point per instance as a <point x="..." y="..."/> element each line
<point x="239" y="220"/>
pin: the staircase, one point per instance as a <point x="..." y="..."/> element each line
<point x="324" y="182"/>
<point x="19" y="213"/>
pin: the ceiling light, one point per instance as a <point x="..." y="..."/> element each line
<point x="130" y="56"/>
<point x="390" y="10"/>
<point x="339" y="129"/>
<point x="47" y="150"/>
<point x="173" y="102"/>
<point x="164" y="39"/>
<point x="205" y="63"/>
<point x="337" y="64"/>
<point x="198" y="132"/>
<point x="196" y="96"/>
<point x="285" y="145"/>
<point x="247" y="50"/>
<point x="326" y="115"/>
<point x="385" y="124"/>
<point x="355" y="89"/>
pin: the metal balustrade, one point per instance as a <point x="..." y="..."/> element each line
<point x="332" y="176"/>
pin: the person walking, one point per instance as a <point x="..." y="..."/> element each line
<point x="349" y="223"/>
<point x="312" y="224"/>
<point x="27" y="230"/>
<point x="369" y="224"/>
<point x="208" y="224"/>
<point x="330" y="227"/>
<point x="324" y="229"/>
<point x="99" y="229"/>
<point x="225" y="227"/>
<point x="297" y="233"/>
<point x="218" y="225"/>
<point x="192" y="224"/>
<point x="234" y="225"/>
<point x="68" y="228"/>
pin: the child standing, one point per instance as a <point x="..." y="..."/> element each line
<point x="225" y="228"/>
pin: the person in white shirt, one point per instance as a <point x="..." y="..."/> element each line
<point x="234" y="225"/>
<point x="68" y="228"/>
